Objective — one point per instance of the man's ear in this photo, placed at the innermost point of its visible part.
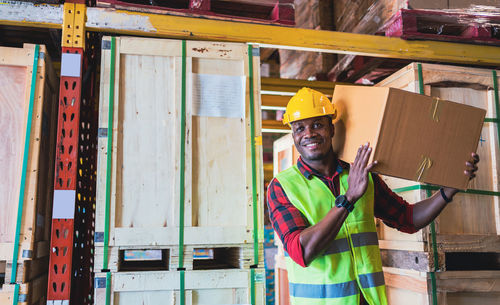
(333, 128)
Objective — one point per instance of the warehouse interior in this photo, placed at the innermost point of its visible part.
(139, 138)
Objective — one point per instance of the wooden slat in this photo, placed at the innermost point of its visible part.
(162, 287)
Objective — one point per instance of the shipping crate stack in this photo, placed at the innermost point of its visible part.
(28, 117)
(179, 196)
(463, 245)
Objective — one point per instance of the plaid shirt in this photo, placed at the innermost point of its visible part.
(288, 221)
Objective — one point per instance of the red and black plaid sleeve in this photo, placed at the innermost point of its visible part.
(391, 208)
(286, 220)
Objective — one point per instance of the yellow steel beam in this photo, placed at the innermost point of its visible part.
(274, 100)
(143, 24)
(136, 23)
(276, 125)
(293, 85)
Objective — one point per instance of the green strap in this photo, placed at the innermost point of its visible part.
(435, 188)
(182, 287)
(182, 166)
(491, 120)
(254, 174)
(109, 152)
(108, 288)
(497, 106)
(252, 286)
(24, 167)
(15, 299)
(432, 226)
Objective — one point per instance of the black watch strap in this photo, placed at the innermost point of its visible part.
(448, 200)
(341, 201)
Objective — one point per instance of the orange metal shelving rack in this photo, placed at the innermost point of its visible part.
(71, 256)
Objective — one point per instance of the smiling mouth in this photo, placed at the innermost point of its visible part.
(311, 145)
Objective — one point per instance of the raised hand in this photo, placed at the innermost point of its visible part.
(358, 174)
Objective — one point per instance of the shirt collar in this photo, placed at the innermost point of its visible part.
(308, 171)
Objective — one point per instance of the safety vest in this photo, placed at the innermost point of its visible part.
(351, 263)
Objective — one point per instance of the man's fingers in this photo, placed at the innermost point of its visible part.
(371, 165)
(471, 166)
(356, 160)
(469, 174)
(475, 157)
(366, 156)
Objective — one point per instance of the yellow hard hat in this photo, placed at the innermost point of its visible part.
(308, 103)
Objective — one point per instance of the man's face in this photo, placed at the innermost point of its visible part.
(313, 137)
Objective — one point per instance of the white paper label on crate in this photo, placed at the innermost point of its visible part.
(70, 64)
(64, 204)
(219, 95)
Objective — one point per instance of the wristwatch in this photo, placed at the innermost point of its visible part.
(342, 201)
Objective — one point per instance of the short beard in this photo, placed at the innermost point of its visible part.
(320, 156)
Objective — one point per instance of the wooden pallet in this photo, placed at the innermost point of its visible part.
(453, 287)
(471, 223)
(199, 257)
(162, 287)
(144, 206)
(279, 12)
(31, 293)
(445, 26)
(15, 71)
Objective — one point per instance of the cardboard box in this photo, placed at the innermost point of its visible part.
(413, 136)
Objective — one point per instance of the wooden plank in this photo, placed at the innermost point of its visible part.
(453, 287)
(419, 261)
(219, 287)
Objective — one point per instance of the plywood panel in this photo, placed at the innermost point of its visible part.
(147, 141)
(218, 157)
(12, 124)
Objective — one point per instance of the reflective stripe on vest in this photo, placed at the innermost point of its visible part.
(351, 263)
(336, 290)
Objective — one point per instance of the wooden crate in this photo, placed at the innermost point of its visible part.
(198, 257)
(145, 170)
(163, 287)
(452, 287)
(471, 223)
(16, 66)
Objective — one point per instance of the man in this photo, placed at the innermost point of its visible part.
(323, 210)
